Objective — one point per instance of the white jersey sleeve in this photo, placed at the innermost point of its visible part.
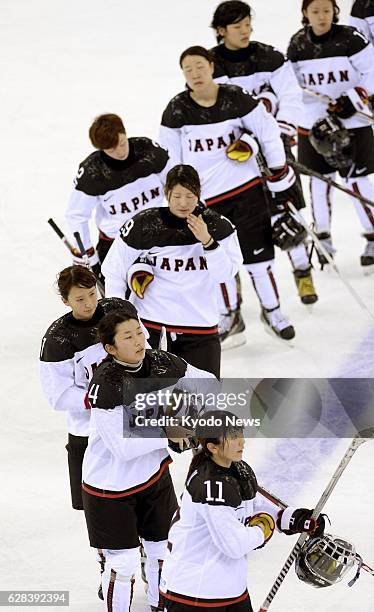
(171, 140)
(78, 214)
(110, 425)
(363, 62)
(230, 536)
(224, 261)
(57, 380)
(286, 87)
(118, 260)
(267, 132)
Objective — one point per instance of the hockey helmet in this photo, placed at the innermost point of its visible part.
(333, 141)
(324, 560)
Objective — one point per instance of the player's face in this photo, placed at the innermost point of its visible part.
(236, 35)
(129, 342)
(121, 151)
(198, 72)
(82, 301)
(230, 449)
(182, 201)
(320, 14)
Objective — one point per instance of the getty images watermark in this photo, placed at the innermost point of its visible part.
(186, 409)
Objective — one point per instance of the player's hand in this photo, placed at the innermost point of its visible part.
(242, 149)
(199, 228)
(291, 521)
(281, 179)
(93, 258)
(287, 232)
(353, 100)
(265, 522)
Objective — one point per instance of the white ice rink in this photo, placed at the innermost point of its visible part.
(63, 63)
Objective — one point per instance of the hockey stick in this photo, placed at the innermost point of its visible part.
(266, 172)
(73, 250)
(329, 100)
(305, 170)
(360, 438)
(282, 505)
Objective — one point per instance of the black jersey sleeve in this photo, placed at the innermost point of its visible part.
(149, 151)
(362, 9)
(106, 389)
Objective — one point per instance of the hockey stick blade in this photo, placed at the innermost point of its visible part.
(357, 441)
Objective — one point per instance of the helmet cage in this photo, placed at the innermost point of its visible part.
(324, 561)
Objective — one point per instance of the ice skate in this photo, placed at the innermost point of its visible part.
(325, 240)
(231, 330)
(275, 321)
(305, 286)
(367, 257)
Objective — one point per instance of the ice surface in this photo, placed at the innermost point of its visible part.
(62, 63)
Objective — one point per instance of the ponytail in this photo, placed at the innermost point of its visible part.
(203, 454)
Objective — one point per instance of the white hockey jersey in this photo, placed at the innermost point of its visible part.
(68, 357)
(116, 189)
(331, 64)
(362, 18)
(199, 136)
(257, 68)
(209, 538)
(124, 456)
(182, 295)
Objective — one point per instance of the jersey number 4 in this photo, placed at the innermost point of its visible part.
(92, 395)
(209, 496)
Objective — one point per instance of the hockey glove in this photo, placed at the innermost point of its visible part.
(291, 521)
(243, 148)
(93, 258)
(281, 179)
(287, 232)
(139, 276)
(355, 99)
(266, 522)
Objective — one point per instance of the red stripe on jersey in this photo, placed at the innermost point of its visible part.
(103, 236)
(204, 603)
(303, 131)
(233, 192)
(136, 489)
(186, 330)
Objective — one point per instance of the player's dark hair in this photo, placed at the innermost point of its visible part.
(106, 330)
(105, 130)
(225, 425)
(74, 276)
(196, 50)
(184, 175)
(305, 4)
(229, 12)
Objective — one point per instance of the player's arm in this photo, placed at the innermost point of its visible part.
(216, 501)
(110, 425)
(266, 130)
(57, 380)
(119, 259)
(225, 259)
(79, 212)
(170, 136)
(289, 95)
(362, 59)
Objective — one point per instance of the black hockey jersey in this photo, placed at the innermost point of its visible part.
(124, 454)
(117, 189)
(199, 136)
(258, 67)
(183, 270)
(69, 354)
(331, 64)
(362, 18)
(209, 538)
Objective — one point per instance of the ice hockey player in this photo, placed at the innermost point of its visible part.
(69, 355)
(208, 126)
(185, 251)
(265, 73)
(121, 178)
(127, 488)
(223, 518)
(338, 62)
